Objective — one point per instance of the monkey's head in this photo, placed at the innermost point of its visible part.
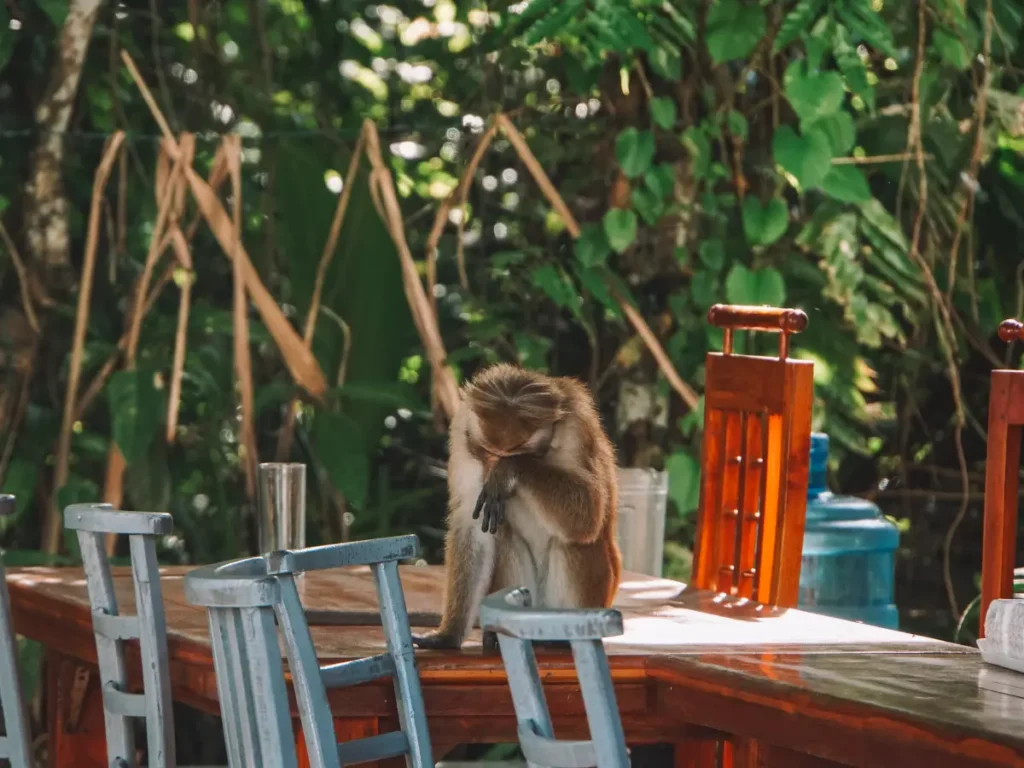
(513, 411)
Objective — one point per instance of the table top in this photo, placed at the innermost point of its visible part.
(864, 693)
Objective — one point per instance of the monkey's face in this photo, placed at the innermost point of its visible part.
(508, 432)
(513, 411)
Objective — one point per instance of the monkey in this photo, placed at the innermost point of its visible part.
(533, 499)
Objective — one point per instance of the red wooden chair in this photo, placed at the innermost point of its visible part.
(755, 462)
(1002, 476)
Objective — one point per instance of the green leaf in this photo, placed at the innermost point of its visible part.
(556, 284)
(647, 204)
(865, 22)
(620, 227)
(738, 126)
(340, 446)
(592, 247)
(138, 410)
(733, 29)
(847, 184)
(712, 253)
(763, 225)
(635, 151)
(758, 287)
(797, 21)
(696, 143)
(594, 282)
(660, 180)
(951, 49)
(704, 289)
(57, 10)
(663, 110)
(388, 393)
(683, 481)
(839, 129)
(807, 158)
(855, 72)
(813, 95)
(666, 63)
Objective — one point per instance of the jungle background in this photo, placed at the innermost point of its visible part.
(860, 159)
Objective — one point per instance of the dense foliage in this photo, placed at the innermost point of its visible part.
(858, 159)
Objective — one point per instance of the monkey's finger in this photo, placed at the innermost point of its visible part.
(485, 523)
(497, 513)
(479, 505)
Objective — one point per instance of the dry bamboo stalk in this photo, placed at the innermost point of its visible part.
(300, 361)
(643, 330)
(287, 433)
(52, 528)
(184, 257)
(122, 216)
(463, 190)
(243, 361)
(420, 306)
(19, 268)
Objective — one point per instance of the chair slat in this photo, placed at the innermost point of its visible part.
(359, 671)
(123, 704)
(543, 750)
(372, 748)
(115, 627)
(15, 746)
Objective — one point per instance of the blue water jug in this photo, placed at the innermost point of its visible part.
(849, 554)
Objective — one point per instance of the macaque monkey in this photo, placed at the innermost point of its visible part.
(532, 499)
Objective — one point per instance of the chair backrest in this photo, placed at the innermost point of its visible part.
(243, 599)
(15, 745)
(93, 522)
(509, 614)
(755, 462)
(1002, 478)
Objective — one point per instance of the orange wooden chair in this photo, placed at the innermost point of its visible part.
(1002, 478)
(755, 462)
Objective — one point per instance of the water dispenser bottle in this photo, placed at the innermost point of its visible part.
(849, 554)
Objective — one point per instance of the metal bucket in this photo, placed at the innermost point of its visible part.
(643, 498)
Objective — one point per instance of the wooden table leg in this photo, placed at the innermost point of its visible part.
(696, 753)
(74, 714)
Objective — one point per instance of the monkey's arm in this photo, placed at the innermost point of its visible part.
(569, 500)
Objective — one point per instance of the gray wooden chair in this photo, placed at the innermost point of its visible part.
(509, 614)
(93, 522)
(245, 597)
(15, 746)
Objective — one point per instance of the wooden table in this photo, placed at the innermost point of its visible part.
(799, 689)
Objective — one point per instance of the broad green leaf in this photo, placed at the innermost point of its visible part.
(697, 145)
(635, 151)
(808, 158)
(813, 95)
(734, 28)
(138, 410)
(620, 227)
(712, 253)
(592, 247)
(704, 289)
(663, 110)
(556, 285)
(594, 282)
(865, 23)
(532, 350)
(856, 74)
(763, 225)
(738, 126)
(341, 447)
(847, 184)
(660, 180)
(683, 481)
(647, 204)
(839, 129)
(755, 287)
(666, 63)
(388, 393)
(797, 22)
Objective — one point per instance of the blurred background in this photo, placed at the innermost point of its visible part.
(859, 159)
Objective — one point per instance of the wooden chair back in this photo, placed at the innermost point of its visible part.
(755, 462)
(1002, 478)
(94, 522)
(509, 614)
(15, 745)
(246, 598)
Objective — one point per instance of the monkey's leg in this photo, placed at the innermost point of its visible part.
(469, 556)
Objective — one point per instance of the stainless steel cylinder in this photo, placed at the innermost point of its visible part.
(281, 506)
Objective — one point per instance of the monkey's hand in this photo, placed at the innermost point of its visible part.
(498, 487)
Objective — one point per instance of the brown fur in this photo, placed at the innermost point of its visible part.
(536, 441)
